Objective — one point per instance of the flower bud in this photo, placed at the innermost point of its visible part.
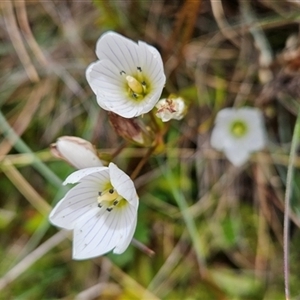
(76, 151)
(130, 129)
(170, 108)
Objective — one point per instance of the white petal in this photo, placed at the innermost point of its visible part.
(256, 138)
(250, 114)
(131, 109)
(100, 233)
(152, 65)
(134, 109)
(122, 105)
(151, 99)
(89, 78)
(165, 115)
(225, 115)
(111, 91)
(161, 103)
(218, 137)
(126, 239)
(154, 52)
(78, 175)
(77, 202)
(120, 50)
(237, 156)
(123, 184)
(180, 108)
(101, 103)
(105, 72)
(253, 141)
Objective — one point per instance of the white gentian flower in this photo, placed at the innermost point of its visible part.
(238, 132)
(128, 78)
(76, 151)
(101, 210)
(170, 108)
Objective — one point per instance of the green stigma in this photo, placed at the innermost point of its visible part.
(238, 128)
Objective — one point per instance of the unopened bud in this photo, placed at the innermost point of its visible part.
(130, 129)
(76, 151)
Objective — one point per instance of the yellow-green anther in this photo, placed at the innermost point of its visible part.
(134, 85)
(108, 195)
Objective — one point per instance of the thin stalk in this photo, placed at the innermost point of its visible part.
(154, 121)
(142, 162)
(139, 245)
(288, 193)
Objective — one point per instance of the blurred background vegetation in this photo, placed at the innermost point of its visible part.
(216, 230)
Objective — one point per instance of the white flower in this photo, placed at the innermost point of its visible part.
(238, 132)
(170, 108)
(101, 209)
(76, 151)
(128, 78)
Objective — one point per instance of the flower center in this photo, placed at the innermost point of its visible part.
(238, 128)
(136, 85)
(110, 198)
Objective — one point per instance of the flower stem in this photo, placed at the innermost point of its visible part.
(155, 127)
(158, 140)
(288, 192)
(142, 162)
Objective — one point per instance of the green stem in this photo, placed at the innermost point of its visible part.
(287, 198)
(155, 127)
